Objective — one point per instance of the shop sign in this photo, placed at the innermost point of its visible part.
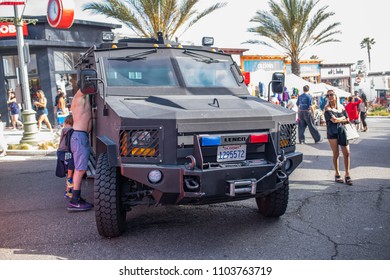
(8, 29)
(307, 70)
(267, 65)
(335, 72)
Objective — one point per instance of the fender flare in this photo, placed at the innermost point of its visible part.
(110, 148)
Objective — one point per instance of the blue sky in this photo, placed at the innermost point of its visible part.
(359, 19)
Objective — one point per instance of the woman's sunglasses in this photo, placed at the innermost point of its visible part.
(330, 94)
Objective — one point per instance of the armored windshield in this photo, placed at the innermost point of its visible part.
(152, 68)
(139, 72)
(206, 72)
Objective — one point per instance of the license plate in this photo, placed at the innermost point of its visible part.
(231, 153)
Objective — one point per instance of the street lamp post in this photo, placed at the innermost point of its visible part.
(28, 114)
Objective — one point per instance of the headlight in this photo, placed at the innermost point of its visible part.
(141, 138)
(155, 176)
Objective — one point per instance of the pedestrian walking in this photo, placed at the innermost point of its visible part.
(352, 109)
(55, 106)
(61, 105)
(305, 116)
(335, 115)
(42, 112)
(14, 109)
(292, 105)
(363, 109)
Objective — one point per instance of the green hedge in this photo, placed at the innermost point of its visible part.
(377, 110)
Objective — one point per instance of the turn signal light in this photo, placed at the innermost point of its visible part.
(145, 152)
(284, 143)
(124, 150)
(258, 138)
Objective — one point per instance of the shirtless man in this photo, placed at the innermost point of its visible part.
(79, 144)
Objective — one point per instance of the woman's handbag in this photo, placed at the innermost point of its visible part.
(351, 132)
(346, 133)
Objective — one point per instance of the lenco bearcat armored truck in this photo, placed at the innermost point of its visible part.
(175, 125)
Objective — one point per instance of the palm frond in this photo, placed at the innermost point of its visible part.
(294, 25)
(147, 17)
(117, 10)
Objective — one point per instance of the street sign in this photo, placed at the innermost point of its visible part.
(8, 29)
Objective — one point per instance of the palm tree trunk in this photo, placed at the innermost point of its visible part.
(369, 58)
(295, 67)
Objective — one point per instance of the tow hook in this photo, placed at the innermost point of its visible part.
(281, 175)
(279, 163)
(191, 184)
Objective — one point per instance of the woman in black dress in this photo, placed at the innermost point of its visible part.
(335, 115)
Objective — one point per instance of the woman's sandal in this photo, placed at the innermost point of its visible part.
(348, 180)
(338, 179)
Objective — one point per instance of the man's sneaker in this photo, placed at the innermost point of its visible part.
(69, 183)
(81, 205)
(68, 194)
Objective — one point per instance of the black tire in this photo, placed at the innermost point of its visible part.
(275, 203)
(109, 212)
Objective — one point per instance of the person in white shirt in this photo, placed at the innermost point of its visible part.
(292, 105)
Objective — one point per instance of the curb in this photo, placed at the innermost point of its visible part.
(31, 153)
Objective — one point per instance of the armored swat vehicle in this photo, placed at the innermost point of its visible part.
(176, 125)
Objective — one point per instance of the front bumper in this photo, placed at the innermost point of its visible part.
(180, 185)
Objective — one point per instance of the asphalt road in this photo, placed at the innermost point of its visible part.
(324, 220)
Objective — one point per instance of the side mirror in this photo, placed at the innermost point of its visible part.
(88, 81)
(277, 82)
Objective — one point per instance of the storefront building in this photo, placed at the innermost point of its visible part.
(53, 55)
(337, 75)
(312, 70)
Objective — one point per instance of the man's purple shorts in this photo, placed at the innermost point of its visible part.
(79, 144)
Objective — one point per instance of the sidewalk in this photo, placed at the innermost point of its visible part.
(14, 136)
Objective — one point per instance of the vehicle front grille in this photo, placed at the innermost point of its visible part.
(288, 135)
(140, 144)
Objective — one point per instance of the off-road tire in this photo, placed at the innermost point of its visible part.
(109, 212)
(275, 203)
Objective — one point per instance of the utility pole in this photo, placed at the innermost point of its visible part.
(28, 115)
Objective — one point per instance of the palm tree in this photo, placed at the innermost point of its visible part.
(367, 43)
(147, 17)
(291, 26)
